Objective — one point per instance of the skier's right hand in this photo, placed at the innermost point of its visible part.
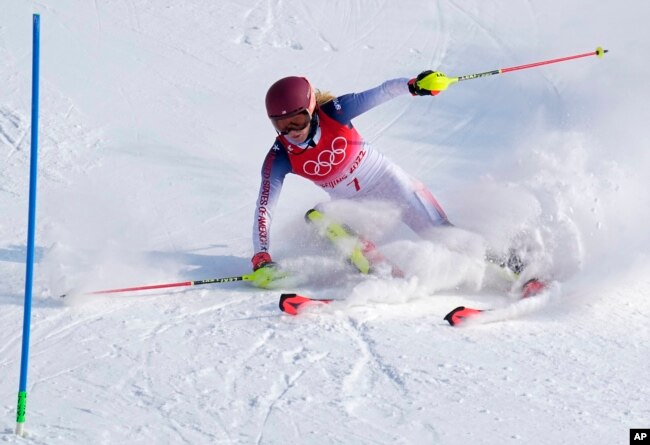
(265, 271)
(261, 259)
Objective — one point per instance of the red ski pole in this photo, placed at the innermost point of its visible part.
(598, 52)
(438, 81)
(168, 285)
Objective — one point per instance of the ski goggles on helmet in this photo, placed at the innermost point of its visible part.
(297, 122)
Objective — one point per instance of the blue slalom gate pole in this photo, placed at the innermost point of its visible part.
(31, 228)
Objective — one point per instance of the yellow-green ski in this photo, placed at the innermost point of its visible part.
(347, 243)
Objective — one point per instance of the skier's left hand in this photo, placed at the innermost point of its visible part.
(428, 83)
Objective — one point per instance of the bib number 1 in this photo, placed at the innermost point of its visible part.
(355, 181)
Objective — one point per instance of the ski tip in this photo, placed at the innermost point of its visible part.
(311, 213)
(458, 315)
(292, 304)
(532, 287)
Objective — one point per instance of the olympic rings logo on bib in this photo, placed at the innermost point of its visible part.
(327, 159)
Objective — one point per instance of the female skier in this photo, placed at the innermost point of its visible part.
(316, 140)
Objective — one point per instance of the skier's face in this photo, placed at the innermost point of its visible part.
(298, 136)
(295, 128)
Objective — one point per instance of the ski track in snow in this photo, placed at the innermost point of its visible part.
(370, 358)
(12, 131)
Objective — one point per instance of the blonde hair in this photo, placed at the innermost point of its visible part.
(322, 97)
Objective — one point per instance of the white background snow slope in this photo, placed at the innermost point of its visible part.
(152, 135)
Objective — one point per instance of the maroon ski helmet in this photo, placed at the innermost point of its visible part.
(290, 96)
